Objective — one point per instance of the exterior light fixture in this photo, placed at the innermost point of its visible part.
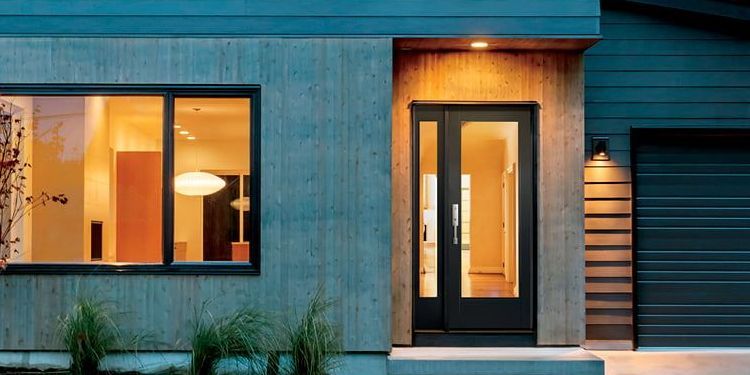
(198, 184)
(191, 138)
(479, 44)
(600, 148)
(177, 126)
(184, 132)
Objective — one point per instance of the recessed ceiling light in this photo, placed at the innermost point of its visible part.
(177, 126)
(191, 138)
(184, 132)
(479, 44)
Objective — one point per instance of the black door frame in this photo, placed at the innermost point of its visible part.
(438, 111)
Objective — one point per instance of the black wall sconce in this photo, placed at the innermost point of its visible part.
(600, 148)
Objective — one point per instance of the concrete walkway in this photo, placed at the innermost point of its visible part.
(676, 362)
(493, 361)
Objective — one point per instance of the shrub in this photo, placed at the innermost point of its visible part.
(315, 343)
(245, 335)
(88, 333)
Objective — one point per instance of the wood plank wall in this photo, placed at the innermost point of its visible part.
(650, 70)
(554, 79)
(325, 219)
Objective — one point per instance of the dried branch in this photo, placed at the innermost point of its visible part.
(15, 203)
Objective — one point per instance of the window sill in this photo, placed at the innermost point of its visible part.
(195, 268)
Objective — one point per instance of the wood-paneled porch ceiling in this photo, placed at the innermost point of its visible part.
(494, 44)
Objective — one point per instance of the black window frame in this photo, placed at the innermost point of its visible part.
(168, 92)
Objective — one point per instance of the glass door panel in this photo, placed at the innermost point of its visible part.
(428, 204)
(489, 155)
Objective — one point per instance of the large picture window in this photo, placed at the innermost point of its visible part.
(154, 178)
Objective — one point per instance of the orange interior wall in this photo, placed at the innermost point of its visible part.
(139, 207)
(483, 159)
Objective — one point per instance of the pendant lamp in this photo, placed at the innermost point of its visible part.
(198, 184)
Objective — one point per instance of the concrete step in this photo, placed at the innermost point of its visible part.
(493, 361)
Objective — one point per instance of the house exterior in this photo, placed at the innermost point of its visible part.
(490, 173)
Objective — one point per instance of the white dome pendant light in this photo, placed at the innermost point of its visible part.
(198, 184)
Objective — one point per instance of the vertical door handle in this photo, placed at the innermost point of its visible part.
(455, 223)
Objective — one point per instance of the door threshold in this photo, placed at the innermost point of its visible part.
(474, 339)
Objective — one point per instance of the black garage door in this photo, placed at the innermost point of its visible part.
(692, 205)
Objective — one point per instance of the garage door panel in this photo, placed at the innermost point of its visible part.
(691, 168)
(701, 203)
(716, 156)
(699, 311)
(690, 212)
(693, 185)
(696, 266)
(680, 293)
(697, 148)
(691, 239)
(693, 320)
(694, 222)
(708, 276)
(689, 329)
(683, 340)
(693, 255)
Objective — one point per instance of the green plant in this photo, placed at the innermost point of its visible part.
(88, 333)
(245, 335)
(315, 343)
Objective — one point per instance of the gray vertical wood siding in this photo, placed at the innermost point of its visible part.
(648, 71)
(326, 138)
(507, 18)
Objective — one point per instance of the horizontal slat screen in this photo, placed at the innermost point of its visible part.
(608, 222)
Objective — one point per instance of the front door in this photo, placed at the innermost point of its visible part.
(474, 216)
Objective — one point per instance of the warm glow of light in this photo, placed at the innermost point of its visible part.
(191, 138)
(198, 184)
(184, 132)
(479, 44)
(241, 204)
(177, 126)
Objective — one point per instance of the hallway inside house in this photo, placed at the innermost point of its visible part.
(472, 285)
(486, 215)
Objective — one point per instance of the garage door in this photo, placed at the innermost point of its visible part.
(692, 246)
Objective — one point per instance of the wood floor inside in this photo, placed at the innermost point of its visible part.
(473, 285)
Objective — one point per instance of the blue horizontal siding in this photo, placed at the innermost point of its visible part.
(607, 126)
(537, 18)
(652, 70)
(668, 110)
(661, 47)
(659, 31)
(514, 8)
(294, 26)
(667, 63)
(665, 95)
(677, 79)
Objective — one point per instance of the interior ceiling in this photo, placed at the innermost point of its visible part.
(216, 119)
(494, 129)
(141, 112)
